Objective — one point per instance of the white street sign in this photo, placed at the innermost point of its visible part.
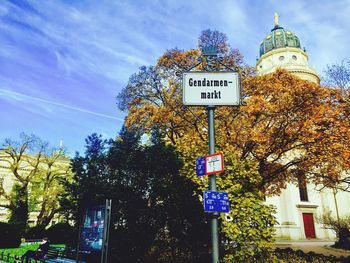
(214, 163)
(211, 88)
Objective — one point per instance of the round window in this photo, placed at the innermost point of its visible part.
(281, 58)
(294, 57)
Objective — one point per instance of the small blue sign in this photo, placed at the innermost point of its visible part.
(200, 166)
(216, 202)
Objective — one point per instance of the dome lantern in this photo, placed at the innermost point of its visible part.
(281, 49)
(279, 38)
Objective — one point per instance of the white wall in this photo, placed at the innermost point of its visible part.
(290, 209)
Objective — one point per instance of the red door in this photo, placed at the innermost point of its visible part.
(309, 225)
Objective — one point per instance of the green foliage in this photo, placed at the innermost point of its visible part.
(36, 232)
(155, 204)
(249, 230)
(10, 235)
(250, 235)
(90, 177)
(290, 255)
(156, 213)
(18, 251)
(19, 212)
(62, 233)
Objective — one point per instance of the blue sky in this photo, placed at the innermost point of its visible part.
(62, 63)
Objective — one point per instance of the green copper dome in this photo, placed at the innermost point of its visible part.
(279, 38)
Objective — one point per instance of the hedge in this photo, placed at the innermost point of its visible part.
(62, 233)
(10, 235)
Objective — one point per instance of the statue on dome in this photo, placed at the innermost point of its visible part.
(276, 19)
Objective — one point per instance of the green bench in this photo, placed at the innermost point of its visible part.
(59, 255)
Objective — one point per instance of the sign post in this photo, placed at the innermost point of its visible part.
(212, 187)
(212, 88)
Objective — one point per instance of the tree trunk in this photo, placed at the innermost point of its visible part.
(46, 218)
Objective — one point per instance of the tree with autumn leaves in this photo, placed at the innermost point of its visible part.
(288, 129)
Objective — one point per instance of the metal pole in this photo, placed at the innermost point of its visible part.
(212, 187)
(106, 223)
(78, 245)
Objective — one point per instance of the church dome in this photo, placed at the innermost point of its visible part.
(281, 49)
(279, 38)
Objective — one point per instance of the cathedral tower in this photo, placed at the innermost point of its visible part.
(281, 49)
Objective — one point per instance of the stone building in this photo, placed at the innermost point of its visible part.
(298, 206)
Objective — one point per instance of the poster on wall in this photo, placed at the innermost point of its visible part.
(92, 233)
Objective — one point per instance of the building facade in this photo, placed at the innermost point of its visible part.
(7, 181)
(298, 207)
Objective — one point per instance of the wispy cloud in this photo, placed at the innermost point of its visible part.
(83, 52)
(20, 97)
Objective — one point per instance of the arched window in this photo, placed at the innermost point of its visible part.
(303, 188)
